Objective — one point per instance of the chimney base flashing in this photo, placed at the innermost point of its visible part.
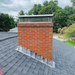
(37, 57)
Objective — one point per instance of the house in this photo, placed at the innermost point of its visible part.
(13, 62)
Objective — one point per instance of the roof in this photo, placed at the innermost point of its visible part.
(7, 35)
(14, 29)
(35, 16)
(13, 62)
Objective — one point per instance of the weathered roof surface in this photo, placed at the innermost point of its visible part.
(5, 35)
(13, 62)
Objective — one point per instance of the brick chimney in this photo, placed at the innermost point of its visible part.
(35, 33)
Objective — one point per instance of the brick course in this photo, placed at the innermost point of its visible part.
(37, 37)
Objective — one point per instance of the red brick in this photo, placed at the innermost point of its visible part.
(37, 37)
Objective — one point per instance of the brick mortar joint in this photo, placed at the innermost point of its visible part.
(35, 24)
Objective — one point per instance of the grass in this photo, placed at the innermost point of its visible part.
(60, 38)
(72, 43)
(55, 33)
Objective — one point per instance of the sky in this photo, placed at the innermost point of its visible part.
(12, 7)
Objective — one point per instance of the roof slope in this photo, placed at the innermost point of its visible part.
(13, 62)
(5, 35)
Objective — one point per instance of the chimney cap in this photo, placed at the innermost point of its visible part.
(35, 16)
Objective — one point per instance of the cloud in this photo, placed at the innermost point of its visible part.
(63, 3)
(6, 1)
(12, 7)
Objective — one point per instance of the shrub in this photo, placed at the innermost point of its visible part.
(63, 30)
(70, 32)
(6, 22)
(59, 30)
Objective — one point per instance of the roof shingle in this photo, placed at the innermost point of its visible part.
(13, 62)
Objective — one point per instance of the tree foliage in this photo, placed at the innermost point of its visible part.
(21, 12)
(6, 22)
(45, 3)
(30, 12)
(73, 3)
(63, 30)
(70, 32)
(16, 21)
(49, 7)
(62, 17)
(59, 30)
(35, 10)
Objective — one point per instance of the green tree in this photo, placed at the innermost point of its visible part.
(59, 30)
(45, 3)
(73, 3)
(12, 22)
(63, 30)
(68, 10)
(58, 20)
(71, 19)
(30, 12)
(51, 2)
(50, 8)
(6, 22)
(63, 17)
(36, 8)
(21, 13)
(16, 21)
(56, 2)
(39, 7)
(70, 32)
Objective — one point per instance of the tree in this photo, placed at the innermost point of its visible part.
(70, 32)
(30, 12)
(63, 30)
(51, 2)
(12, 22)
(56, 2)
(59, 20)
(59, 30)
(71, 19)
(45, 3)
(21, 12)
(68, 10)
(16, 21)
(50, 8)
(62, 17)
(36, 8)
(39, 7)
(6, 22)
(73, 3)
(46, 10)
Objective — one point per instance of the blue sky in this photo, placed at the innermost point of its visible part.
(12, 7)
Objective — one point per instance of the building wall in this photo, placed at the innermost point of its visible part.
(37, 37)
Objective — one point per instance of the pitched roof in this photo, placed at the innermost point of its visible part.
(13, 62)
